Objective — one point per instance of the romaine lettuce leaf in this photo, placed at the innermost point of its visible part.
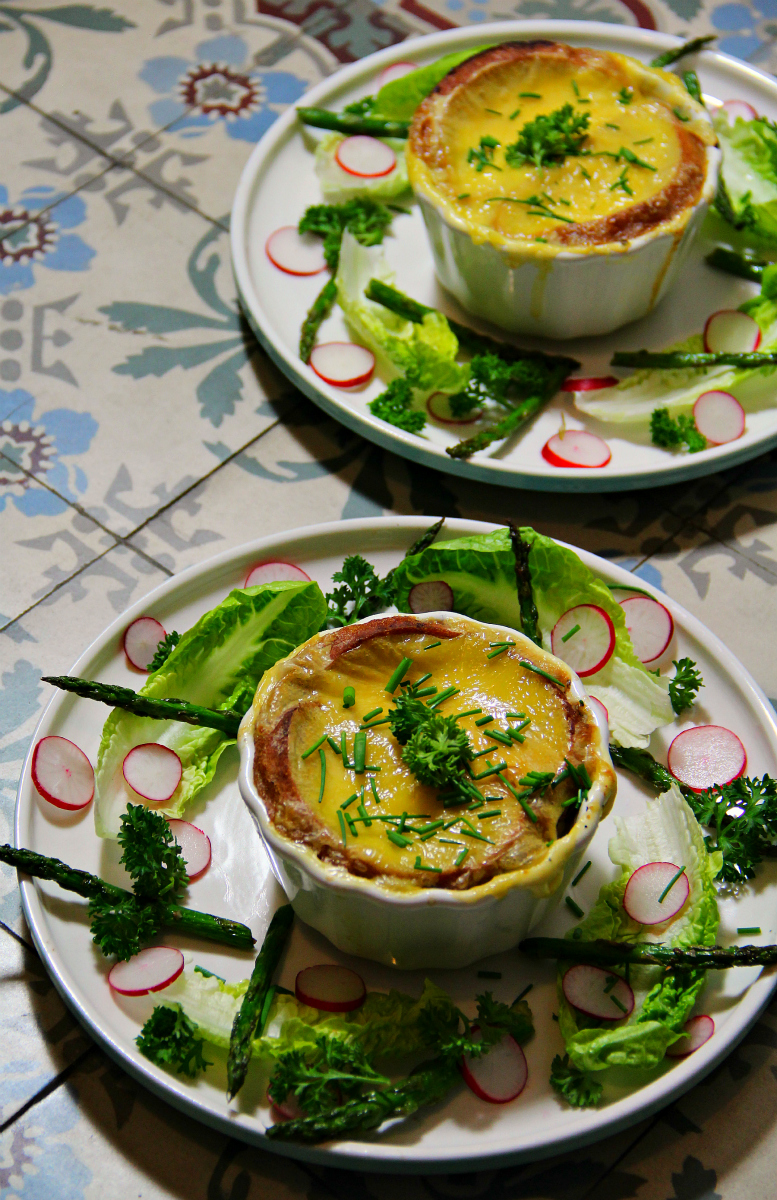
(217, 664)
(749, 172)
(398, 100)
(480, 571)
(338, 185)
(666, 832)
(424, 352)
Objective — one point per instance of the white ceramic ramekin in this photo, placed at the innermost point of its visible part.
(427, 927)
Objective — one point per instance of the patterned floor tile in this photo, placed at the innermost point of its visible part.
(38, 1036)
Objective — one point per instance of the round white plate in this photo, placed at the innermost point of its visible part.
(278, 183)
(464, 1131)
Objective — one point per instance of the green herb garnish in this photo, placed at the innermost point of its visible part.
(622, 183)
(432, 645)
(670, 885)
(685, 685)
(169, 1039)
(575, 908)
(580, 874)
(482, 156)
(671, 433)
(163, 651)
(398, 675)
(322, 757)
(360, 594)
(549, 138)
(314, 747)
(395, 406)
(625, 96)
(575, 629)
(349, 697)
(749, 931)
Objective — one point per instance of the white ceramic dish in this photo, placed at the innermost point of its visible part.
(462, 1134)
(427, 927)
(279, 182)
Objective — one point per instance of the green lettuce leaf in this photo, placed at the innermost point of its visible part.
(666, 832)
(480, 571)
(749, 172)
(398, 100)
(338, 186)
(424, 352)
(217, 664)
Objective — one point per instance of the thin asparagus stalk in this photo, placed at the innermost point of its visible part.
(250, 1012)
(397, 301)
(426, 539)
(185, 920)
(508, 424)
(317, 314)
(345, 122)
(226, 721)
(642, 763)
(672, 56)
(425, 1086)
(529, 614)
(744, 266)
(692, 85)
(609, 954)
(674, 359)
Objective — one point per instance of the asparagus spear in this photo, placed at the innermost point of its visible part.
(316, 315)
(745, 266)
(508, 424)
(529, 614)
(425, 1086)
(692, 85)
(251, 1010)
(225, 720)
(672, 56)
(185, 920)
(642, 763)
(674, 359)
(600, 953)
(349, 123)
(426, 539)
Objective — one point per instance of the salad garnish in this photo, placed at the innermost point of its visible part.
(671, 433)
(247, 1022)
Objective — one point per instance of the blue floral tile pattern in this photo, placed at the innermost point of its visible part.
(33, 447)
(34, 232)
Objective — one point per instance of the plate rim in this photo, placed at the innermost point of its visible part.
(368, 1155)
(484, 470)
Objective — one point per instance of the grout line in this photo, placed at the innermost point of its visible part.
(632, 1145)
(22, 941)
(50, 1087)
(55, 589)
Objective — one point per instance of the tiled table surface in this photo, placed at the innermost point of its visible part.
(138, 417)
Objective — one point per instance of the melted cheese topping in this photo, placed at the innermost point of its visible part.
(496, 685)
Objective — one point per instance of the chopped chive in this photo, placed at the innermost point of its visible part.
(444, 695)
(489, 974)
(471, 712)
(525, 992)
(515, 716)
(498, 736)
(374, 724)
(580, 874)
(314, 747)
(473, 833)
(427, 691)
(372, 768)
(576, 909)
(333, 744)
(359, 751)
(584, 173)
(448, 842)
(680, 115)
(492, 812)
(523, 725)
(670, 885)
(516, 736)
(398, 674)
(493, 110)
(539, 239)
(431, 646)
(575, 629)
(539, 671)
(423, 679)
(480, 753)
(485, 720)
(349, 697)
(513, 115)
(344, 749)
(500, 649)
(530, 95)
(350, 800)
(419, 866)
(610, 125)
(403, 822)
(749, 930)
(521, 798)
(322, 756)
(618, 1004)
(463, 196)
(491, 771)
(362, 811)
(643, 141)
(610, 984)
(342, 825)
(575, 88)
(460, 857)
(374, 791)
(431, 827)
(351, 824)
(372, 713)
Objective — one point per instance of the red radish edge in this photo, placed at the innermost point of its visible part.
(590, 384)
(275, 571)
(591, 647)
(62, 774)
(397, 70)
(583, 987)
(601, 710)
(719, 417)
(152, 969)
(439, 400)
(343, 364)
(195, 847)
(729, 330)
(697, 1031)
(330, 988)
(650, 626)
(141, 639)
(739, 108)
(153, 771)
(500, 1075)
(705, 756)
(577, 448)
(365, 151)
(289, 1110)
(642, 897)
(295, 253)
(434, 595)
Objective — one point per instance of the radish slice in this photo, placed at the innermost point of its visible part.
(195, 847)
(153, 771)
(731, 332)
(589, 646)
(153, 969)
(577, 448)
(365, 156)
(738, 108)
(275, 571)
(289, 1110)
(330, 988)
(602, 715)
(706, 755)
(395, 71)
(62, 773)
(500, 1075)
(620, 592)
(433, 596)
(698, 1030)
(343, 364)
(719, 417)
(294, 252)
(584, 989)
(440, 410)
(141, 639)
(650, 627)
(592, 384)
(642, 899)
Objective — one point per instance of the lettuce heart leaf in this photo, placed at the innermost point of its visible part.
(749, 172)
(398, 100)
(338, 185)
